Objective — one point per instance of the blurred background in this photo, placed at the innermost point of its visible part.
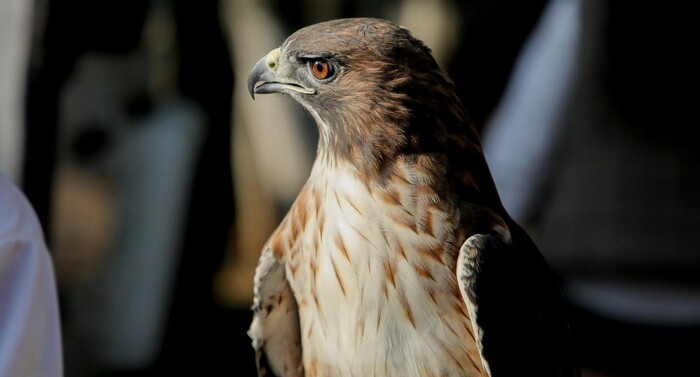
(157, 179)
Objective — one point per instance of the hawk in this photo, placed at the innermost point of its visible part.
(397, 257)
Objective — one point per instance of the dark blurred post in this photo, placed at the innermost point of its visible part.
(493, 33)
(200, 333)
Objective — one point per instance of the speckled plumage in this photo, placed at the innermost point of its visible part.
(376, 269)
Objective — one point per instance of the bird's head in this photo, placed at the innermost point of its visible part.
(371, 86)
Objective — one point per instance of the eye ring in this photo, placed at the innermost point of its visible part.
(321, 69)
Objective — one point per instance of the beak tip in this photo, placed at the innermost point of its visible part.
(251, 87)
(256, 75)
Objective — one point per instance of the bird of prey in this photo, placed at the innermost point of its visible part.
(397, 257)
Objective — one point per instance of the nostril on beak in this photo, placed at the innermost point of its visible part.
(271, 59)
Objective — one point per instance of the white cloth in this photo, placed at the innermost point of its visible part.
(30, 335)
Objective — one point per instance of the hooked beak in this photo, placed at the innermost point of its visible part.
(264, 78)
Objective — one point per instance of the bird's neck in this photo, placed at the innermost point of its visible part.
(429, 130)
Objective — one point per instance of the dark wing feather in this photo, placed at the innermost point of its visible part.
(519, 310)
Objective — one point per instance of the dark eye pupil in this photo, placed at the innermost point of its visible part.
(318, 66)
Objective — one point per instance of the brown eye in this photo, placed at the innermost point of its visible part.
(321, 69)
